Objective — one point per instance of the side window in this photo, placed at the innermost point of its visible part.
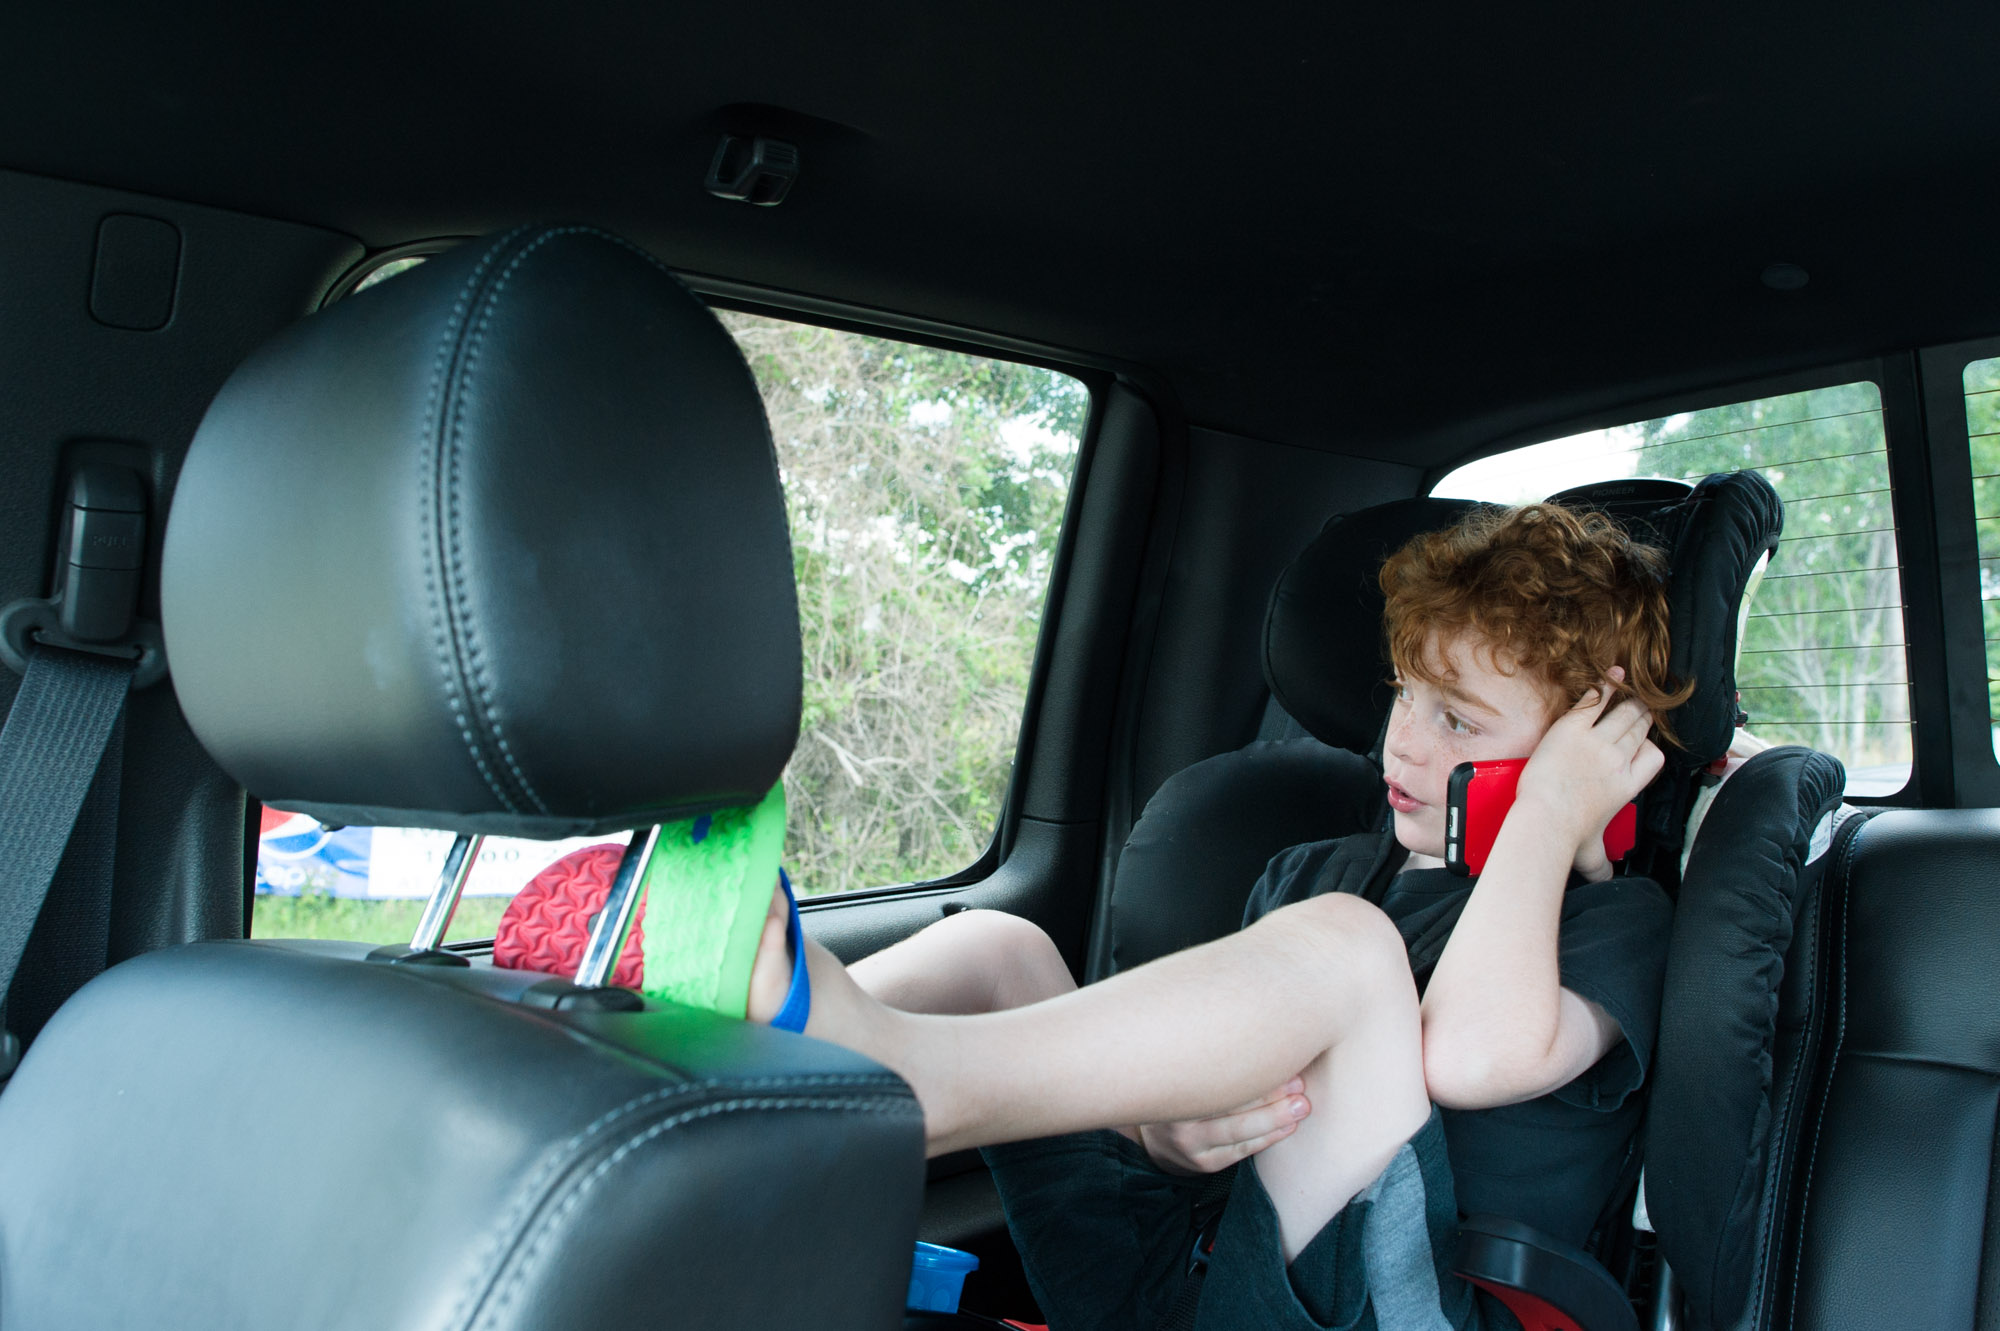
(1822, 655)
(1982, 419)
(926, 491)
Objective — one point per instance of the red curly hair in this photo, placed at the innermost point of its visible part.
(1560, 594)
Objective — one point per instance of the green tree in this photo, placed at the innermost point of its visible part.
(1823, 660)
(1982, 417)
(925, 490)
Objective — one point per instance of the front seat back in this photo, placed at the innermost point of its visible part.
(496, 546)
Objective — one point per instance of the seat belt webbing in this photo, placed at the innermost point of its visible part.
(71, 942)
(50, 749)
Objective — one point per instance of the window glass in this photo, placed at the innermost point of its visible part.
(926, 490)
(1982, 419)
(1823, 661)
(388, 270)
(371, 882)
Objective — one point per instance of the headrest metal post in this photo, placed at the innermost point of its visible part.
(443, 904)
(621, 905)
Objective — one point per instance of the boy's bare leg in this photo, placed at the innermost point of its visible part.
(1368, 1098)
(1310, 986)
(973, 961)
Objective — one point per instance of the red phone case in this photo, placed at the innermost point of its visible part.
(1477, 800)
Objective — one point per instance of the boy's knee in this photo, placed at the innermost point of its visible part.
(1023, 962)
(1341, 927)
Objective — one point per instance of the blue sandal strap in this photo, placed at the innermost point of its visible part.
(798, 999)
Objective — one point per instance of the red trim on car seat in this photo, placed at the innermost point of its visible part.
(1025, 1326)
(1535, 1314)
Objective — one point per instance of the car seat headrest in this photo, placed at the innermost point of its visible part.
(495, 546)
(1323, 651)
(1719, 535)
(1324, 657)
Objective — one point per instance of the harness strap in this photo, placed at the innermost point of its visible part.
(1206, 1218)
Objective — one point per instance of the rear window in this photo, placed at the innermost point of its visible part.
(926, 490)
(1982, 418)
(1823, 658)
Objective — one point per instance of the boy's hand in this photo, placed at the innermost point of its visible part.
(1592, 762)
(1204, 1145)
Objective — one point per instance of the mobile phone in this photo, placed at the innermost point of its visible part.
(1477, 800)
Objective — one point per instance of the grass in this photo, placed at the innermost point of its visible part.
(322, 915)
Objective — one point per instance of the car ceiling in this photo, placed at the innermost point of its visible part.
(1393, 231)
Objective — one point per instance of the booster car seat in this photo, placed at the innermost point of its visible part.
(1741, 1021)
(1219, 821)
(543, 587)
(1205, 835)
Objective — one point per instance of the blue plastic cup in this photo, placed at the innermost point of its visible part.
(937, 1276)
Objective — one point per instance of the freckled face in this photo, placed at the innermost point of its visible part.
(1482, 712)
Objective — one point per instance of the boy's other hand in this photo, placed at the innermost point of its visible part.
(1593, 761)
(1204, 1145)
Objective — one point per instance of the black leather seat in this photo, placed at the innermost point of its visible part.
(495, 546)
(1892, 1214)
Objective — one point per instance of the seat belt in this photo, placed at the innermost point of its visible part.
(1205, 1217)
(51, 748)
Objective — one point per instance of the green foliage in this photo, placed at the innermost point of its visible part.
(323, 915)
(1823, 660)
(925, 490)
(1982, 419)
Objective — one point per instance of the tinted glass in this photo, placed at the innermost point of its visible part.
(1982, 418)
(1823, 658)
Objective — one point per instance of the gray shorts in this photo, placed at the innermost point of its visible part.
(1106, 1237)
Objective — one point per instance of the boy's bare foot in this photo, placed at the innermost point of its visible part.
(842, 1012)
(771, 972)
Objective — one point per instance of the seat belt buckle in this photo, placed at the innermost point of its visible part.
(1202, 1250)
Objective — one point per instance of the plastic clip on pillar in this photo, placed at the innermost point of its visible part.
(100, 567)
(79, 652)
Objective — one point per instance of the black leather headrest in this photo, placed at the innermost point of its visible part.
(1715, 533)
(496, 546)
(1716, 537)
(1324, 656)
(1323, 651)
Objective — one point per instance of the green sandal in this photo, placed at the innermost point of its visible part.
(708, 889)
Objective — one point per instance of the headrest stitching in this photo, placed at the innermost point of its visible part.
(543, 1230)
(433, 555)
(462, 605)
(462, 614)
(763, 420)
(530, 1192)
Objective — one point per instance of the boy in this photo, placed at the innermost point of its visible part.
(1530, 631)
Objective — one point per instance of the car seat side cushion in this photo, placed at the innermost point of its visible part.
(1714, 1140)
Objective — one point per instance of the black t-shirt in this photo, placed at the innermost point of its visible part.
(1551, 1162)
